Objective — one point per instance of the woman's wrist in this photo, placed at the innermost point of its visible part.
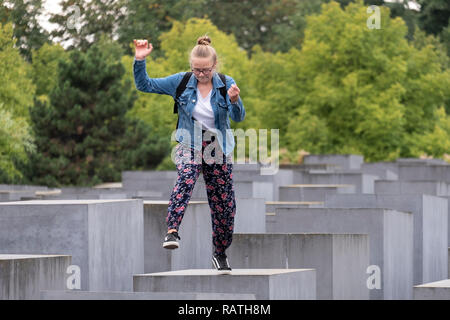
(139, 58)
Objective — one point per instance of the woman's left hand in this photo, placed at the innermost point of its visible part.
(233, 93)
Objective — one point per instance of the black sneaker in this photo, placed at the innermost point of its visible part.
(170, 241)
(221, 263)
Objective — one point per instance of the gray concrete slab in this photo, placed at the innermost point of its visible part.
(390, 233)
(384, 170)
(312, 166)
(415, 161)
(242, 189)
(346, 161)
(104, 237)
(265, 284)
(16, 195)
(272, 205)
(340, 260)
(424, 172)
(22, 277)
(13, 187)
(430, 228)
(312, 192)
(112, 196)
(364, 183)
(436, 188)
(90, 295)
(84, 193)
(262, 183)
(438, 290)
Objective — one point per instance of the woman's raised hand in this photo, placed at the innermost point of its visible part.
(233, 93)
(142, 49)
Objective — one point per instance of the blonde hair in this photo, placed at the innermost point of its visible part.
(203, 49)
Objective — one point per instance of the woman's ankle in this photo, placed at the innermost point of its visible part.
(172, 230)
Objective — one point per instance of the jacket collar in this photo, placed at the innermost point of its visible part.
(217, 82)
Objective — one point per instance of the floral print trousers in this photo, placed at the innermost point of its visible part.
(218, 178)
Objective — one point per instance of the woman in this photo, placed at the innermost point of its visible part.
(203, 104)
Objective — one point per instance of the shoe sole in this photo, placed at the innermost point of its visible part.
(223, 271)
(170, 245)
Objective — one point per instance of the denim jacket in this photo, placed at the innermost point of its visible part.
(187, 127)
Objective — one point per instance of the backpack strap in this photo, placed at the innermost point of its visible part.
(180, 89)
(223, 90)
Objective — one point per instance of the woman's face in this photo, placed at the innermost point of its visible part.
(203, 69)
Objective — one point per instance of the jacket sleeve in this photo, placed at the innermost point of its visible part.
(144, 83)
(237, 109)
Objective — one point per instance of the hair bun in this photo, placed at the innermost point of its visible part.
(204, 40)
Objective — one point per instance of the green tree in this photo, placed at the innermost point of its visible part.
(83, 23)
(15, 142)
(434, 19)
(84, 135)
(23, 14)
(148, 19)
(360, 90)
(17, 89)
(16, 94)
(434, 15)
(436, 142)
(45, 68)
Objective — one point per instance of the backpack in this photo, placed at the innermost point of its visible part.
(182, 86)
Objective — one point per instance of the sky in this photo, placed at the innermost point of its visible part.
(50, 6)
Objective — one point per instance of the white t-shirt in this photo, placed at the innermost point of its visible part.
(203, 111)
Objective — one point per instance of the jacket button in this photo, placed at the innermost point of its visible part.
(193, 100)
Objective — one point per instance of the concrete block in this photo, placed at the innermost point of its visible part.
(346, 161)
(384, 170)
(265, 284)
(239, 166)
(363, 183)
(97, 192)
(113, 196)
(89, 295)
(415, 161)
(430, 228)
(250, 215)
(424, 172)
(438, 290)
(195, 231)
(16, 195)
(340, 260)
(23, 276)
(272, 205)
(161, 181)
(436, 188)
(243, 189)
(390, 233)
(15, 187)
(312, 166)
(104, 237)
(312, 192)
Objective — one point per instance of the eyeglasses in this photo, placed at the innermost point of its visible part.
(198, 71)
